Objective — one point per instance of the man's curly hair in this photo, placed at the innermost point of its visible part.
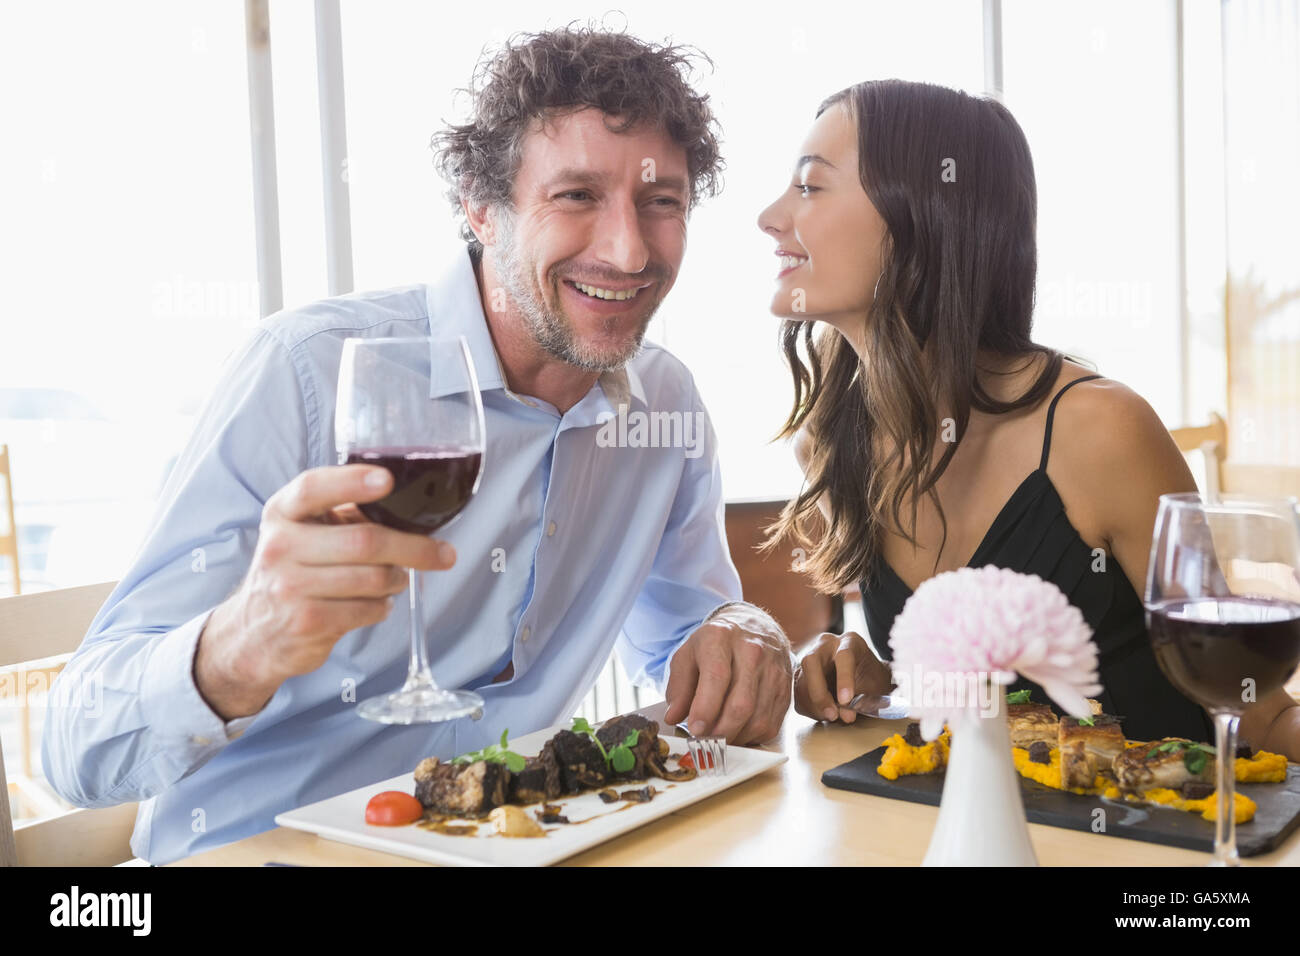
(541, 75)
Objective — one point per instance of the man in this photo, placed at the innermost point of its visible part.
(229, 658)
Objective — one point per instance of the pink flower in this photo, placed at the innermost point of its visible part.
(983, 627)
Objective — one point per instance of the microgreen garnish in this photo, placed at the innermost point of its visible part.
(621, 757)
(1194, 755)
(580, 726)
(1194, 760)
(1018, 697)
(1087, 721)
(495, 753)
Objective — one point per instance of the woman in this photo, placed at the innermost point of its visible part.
(932, 431)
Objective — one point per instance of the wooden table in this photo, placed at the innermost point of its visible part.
(784, 817)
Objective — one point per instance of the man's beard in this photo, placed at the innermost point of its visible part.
(552, 330)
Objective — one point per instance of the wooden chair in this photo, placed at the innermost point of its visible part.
(33, 629)
(9, 536)
(1230, 476)
(1212, 442)
(1274, 480)
(770, 581)
(766, 580)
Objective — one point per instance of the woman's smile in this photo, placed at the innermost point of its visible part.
(789, 262)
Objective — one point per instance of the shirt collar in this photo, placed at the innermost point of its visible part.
(456, 309)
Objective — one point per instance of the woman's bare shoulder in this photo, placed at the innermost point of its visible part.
(1105, 415)
(1111, 455)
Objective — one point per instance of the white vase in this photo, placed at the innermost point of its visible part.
(981, 816)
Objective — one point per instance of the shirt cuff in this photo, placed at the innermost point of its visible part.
(170, 699)
(237, 726)
(794, 658)
(720, 608)
(668, 663)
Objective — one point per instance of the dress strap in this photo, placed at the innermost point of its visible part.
(1051, 413)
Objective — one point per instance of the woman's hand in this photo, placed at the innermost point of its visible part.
(834, 670)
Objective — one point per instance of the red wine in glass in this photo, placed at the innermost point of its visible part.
(1223, 614)
(430, 485)
(1204, 646)
(412, 405)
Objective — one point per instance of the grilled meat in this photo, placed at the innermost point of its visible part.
(1103, 739)
(568, 763)
(645, 751)
(1030, 723)
(539, 781)
(462, 789)
(1087, 750)
(582, 765)
(651, 751)
(1144, 767)
(1078, 765)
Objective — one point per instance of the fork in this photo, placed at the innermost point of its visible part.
(709, 754)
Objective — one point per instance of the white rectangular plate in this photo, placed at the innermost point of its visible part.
(342, 818)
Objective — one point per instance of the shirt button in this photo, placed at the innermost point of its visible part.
(524, 636)
(550, 529)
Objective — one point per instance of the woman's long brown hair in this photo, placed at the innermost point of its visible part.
(952, 178)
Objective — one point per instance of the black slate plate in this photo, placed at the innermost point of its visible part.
(1277, 807)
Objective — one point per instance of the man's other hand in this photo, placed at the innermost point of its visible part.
(732, 677)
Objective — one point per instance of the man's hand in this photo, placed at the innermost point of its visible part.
(836, 669)
(319, 571)
(732, 677)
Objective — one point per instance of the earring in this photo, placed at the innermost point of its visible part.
(876, 290)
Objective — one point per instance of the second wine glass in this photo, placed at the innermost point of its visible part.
(1223, 609)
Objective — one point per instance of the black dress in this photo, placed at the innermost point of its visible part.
(1032, 535)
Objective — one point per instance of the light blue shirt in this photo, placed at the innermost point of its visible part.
(608, 537)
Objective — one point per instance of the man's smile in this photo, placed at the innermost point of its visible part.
(607, 292)
(601, 299)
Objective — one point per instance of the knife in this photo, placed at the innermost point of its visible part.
(883, 707)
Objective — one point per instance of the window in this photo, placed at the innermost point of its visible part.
(1094, 88)
(1261, 89)
(128, 252)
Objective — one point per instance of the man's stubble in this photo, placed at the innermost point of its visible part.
(551, 329)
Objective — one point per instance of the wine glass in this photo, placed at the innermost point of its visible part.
(412, 405)
(1223, 610)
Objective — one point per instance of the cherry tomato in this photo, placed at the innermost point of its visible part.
(393, 808)
(686, 762)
